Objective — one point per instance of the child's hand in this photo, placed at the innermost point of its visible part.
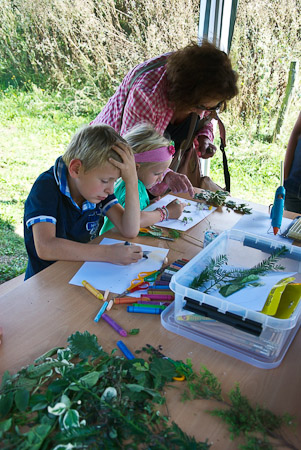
(125, 254)
(127, 166)
(175, 209)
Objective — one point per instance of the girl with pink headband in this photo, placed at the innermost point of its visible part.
(153, 155)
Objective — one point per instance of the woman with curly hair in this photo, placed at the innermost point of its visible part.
(174, 92)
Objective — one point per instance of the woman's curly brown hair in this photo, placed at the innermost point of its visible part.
(197, 73)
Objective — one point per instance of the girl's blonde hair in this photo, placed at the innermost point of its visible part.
(143, 138)
(92, 144)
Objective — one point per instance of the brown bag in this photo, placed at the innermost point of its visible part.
(187, 161)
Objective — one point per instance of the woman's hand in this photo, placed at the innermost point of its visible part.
(177, 183)
(175, 209)
(206, 148)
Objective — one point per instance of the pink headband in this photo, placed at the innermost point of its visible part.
(157, 155)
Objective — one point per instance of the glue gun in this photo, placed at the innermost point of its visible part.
(277, 209)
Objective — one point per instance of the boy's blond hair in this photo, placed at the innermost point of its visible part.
(92, 145)
(143, 137)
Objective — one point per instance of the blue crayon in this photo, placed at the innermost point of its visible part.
(127, 353)
(177, 265)
(160, 287)
(101, 311)
(140, 309)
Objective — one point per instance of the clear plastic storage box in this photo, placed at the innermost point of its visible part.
(251, 336)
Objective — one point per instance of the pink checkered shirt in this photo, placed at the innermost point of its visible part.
(146, 103)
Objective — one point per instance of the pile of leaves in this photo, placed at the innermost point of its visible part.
(82, 397)
(219, 198)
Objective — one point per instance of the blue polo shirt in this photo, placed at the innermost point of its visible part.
(50, 201)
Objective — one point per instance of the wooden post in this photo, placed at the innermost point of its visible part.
(294, 66)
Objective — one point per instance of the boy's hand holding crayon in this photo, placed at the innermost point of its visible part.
(124, 254)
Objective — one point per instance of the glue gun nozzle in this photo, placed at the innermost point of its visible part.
(275, 229)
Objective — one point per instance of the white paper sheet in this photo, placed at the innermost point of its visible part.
(117, 278)
(196, 214)
(260, 224)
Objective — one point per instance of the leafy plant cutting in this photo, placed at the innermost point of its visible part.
(215, 275)
(81, 397)
(219, 198)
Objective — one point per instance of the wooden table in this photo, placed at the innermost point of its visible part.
(42, 312)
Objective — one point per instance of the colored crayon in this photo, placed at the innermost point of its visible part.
(148, 305)
(101, 311)
(161, 297)
(128, 300)
(127, 353)
(160, 292)
(177, 265)
(163, 287)
(152, 302)
(114, 325)
(135, 309)
(166, 277)
(92, 289)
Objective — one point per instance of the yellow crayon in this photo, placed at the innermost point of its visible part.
(92, 289)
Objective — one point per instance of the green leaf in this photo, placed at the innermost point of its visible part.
(58, 409)
(64, 354)
(6, 378)
(39, 406)
(6, 402)
(90, 379)
(47, 355)
(58, 386)
(71, 419)
(163, 368)
(36, 436)
(134, 331)
(43, 369)
(66, 400)
(69, 446)
(26, 383)
(249, 278)
(113, 433)
(109, 393)
(74, 387)
(138, 388)
(230, 289)
(5, 426)
(84, 345)
(22, 399)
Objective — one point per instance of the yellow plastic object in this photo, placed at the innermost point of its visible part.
(273, 300)
(181, 378)
(289, 301)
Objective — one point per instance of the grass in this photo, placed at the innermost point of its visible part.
(37, 125)
(35, 129)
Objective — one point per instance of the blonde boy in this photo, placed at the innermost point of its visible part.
(66, 204)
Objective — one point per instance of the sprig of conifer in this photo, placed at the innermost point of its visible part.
(216, 274)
